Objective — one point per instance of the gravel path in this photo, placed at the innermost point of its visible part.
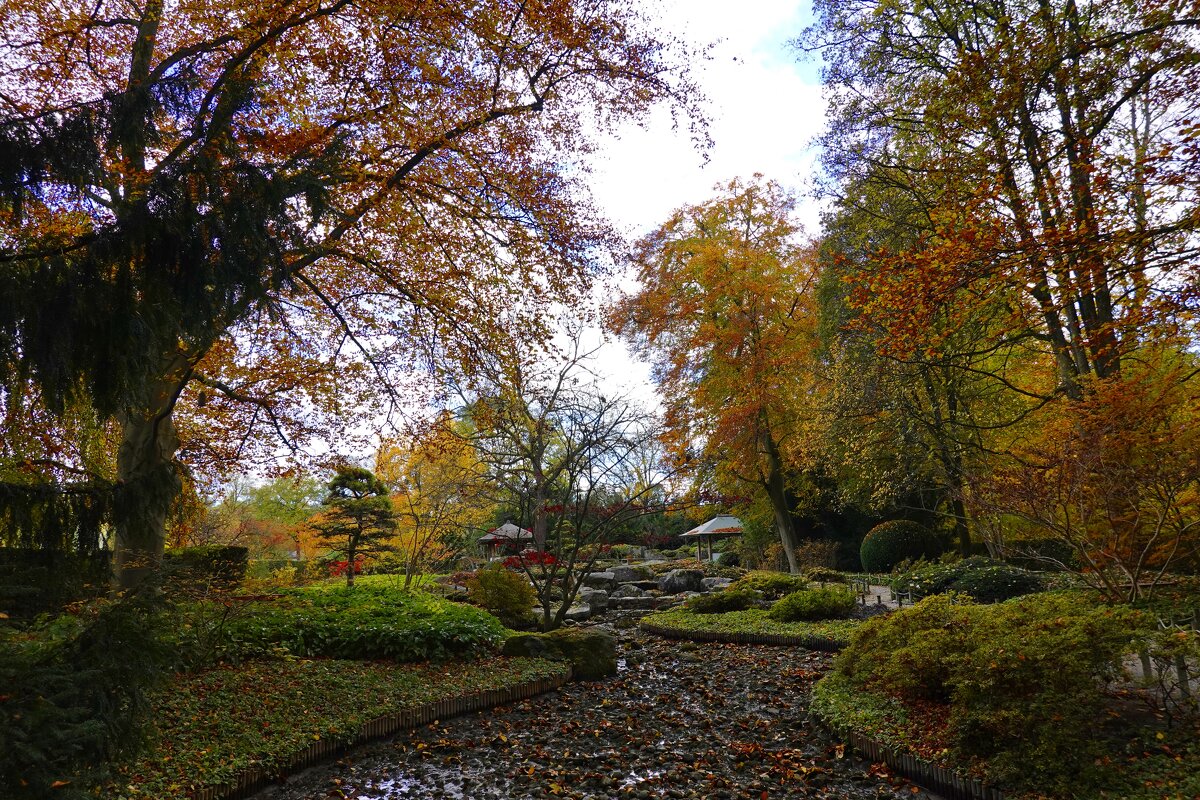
(681, 720)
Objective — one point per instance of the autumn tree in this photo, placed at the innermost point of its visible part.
(358, 518)
(567, 455)
(1028, 172)
(242, 220)
(909, 422)
(440, 491)
(725, 312)
(1113, 479)
(1048, 150)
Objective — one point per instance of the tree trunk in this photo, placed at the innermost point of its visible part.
(777, 492)
(149, 484)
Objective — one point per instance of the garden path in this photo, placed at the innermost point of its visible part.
(680, 720)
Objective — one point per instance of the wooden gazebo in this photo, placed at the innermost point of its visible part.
(716, 528)
(506, 535)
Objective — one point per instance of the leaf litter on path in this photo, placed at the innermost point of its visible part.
(679, 721)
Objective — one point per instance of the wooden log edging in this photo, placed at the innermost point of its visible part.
(253, 779)
(823, 643)
(947, 783)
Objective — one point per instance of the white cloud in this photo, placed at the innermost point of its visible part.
(765, 108)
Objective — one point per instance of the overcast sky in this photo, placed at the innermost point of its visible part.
(765, 108)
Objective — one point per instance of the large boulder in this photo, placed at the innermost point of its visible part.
(626, 590)
(597, 599)
(711, 584)
(681, 580)
(624, 573)
(599, 580)
(592, 652)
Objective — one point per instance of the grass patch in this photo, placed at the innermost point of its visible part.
(751, 621)
(209, 726)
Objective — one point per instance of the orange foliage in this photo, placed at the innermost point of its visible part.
(1115, 476)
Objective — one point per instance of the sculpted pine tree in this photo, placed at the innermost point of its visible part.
(218, 219)
(358, 519)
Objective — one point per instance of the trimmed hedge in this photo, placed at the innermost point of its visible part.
(35, 581)
(506, 594)
(211, 565)
(889, 543)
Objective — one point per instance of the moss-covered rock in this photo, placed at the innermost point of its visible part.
(592, 653)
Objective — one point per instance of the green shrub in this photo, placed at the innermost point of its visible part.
(826, 602)
(36, 581)
(363, 622)
(889, 543)
(825, 575)
(1023, 679)
(984, 580)
(505, 593)
(724, 601)
(771, 585)
(209, 566)
(75, 694)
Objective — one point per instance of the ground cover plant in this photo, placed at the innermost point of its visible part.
(215, 723)
(1015, 690)
(365, 622)
(683, 622)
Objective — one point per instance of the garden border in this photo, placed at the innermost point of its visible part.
(254, 779)
(821, 643)
(947, 783)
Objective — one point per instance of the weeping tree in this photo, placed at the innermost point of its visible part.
(214, 206)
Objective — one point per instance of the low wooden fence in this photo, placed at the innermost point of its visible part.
(947, 783)
(254, 779)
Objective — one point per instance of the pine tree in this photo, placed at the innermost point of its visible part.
(359, 518)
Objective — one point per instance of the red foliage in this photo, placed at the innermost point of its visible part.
(338, 568)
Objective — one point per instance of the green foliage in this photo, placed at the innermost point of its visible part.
(210, 565)
(358, 517)
(771, 585)
(834, 632)
(889, 543)
(1022, 679)
(33, 581)
(724, 601)
(825, 575)
(984, 580)
(213, 724)
(364, 622)
(75, 692)
(825, 602)
(507, 594)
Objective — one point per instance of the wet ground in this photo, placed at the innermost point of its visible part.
(681, 720)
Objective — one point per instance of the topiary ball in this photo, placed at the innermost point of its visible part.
(889, 543)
